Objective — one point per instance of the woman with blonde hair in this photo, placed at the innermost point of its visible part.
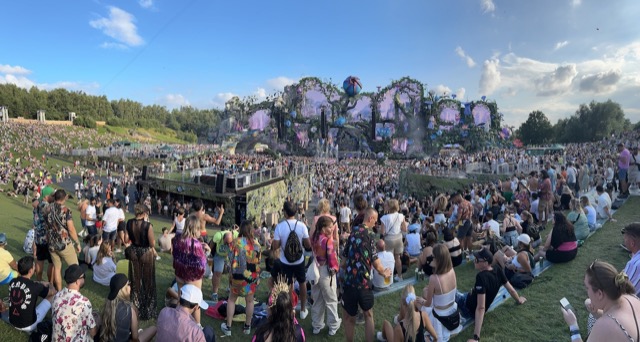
(392, 226)
(578, 218)
(189, 256)
(611, 293)
(438, 299)
(411, 326)
(439, 207)
(120, 316)
(142, 262)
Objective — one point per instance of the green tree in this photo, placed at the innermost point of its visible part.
(593, 122)
(536, 130)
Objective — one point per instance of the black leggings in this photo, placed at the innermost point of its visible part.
(558, 257)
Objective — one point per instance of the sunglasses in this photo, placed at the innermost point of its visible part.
(477, 260)
(593, 272)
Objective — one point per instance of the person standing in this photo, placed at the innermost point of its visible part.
(345, 218)
(61, 235)
(91, 217)
(359, 258)
(624, 158)
(73, 316)
(142, 268)
(41, 251)
(393, 225)
(291, 251)
(110, 222)
(221, 244)
(324, 291)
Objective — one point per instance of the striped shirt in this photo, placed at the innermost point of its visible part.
(633, 271)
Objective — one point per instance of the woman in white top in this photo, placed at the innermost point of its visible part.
(178, 223)
(414, 244)
(91, 249)
(439, 207)
(439, 297)
(105, 267)
(393, 225)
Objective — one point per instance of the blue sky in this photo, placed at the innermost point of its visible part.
(548, 55)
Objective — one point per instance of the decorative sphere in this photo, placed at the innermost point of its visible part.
(294, 114)
(287, 123)
(340, 121)
(352, 86)
(314, 129)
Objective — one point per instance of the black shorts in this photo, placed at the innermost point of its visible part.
(43, 254)
(353, 298)
(109, 236)
(121, 226)
(465, 229)
(292, 272)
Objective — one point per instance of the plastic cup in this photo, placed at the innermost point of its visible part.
(387, 280)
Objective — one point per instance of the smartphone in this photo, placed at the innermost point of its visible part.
(566, 305)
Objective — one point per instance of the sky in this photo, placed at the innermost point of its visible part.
(548, 55)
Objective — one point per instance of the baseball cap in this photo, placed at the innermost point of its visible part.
(74, 272)
(524, 238)
(118, 281)
(484, 254)
(632, 229)
(193, 295)
(3, 239)
(47, 191)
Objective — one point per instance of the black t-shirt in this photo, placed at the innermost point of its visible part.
(23, 296)
(487, 283)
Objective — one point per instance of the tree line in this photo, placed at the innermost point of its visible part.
(591, 122)
(188, 122)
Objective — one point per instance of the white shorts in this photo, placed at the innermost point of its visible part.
(41, 311)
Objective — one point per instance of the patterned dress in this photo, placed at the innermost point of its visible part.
(245, 266)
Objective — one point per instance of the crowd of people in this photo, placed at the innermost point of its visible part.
(362, 240)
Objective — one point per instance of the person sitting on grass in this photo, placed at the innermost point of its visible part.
(105, 265)
(518, 269)
(412, 325)
(178, 324)
(388, 261)
(165, 241)
(474, 304)
(8, 266)
(578, 218)
(424, 260)
(120, 316)
(529, 227)
(24, 315)
(412, 242)
(453, 245)
(590, 211)
(561, 244)
(281, 324)
(611, 293)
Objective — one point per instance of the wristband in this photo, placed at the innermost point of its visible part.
(574, 332)
(574, 327)
(476, 337)
(576, 337)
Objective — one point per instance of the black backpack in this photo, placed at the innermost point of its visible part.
(43, 332)
(534, 232)
(293, 247)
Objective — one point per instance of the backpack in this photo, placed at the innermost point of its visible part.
(27, 247)
(293, 247)
(43, 332)
(534, 232)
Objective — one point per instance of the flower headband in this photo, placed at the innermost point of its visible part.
(279, 287)
(410, 298)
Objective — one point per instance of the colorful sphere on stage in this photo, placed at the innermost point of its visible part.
(352, 86)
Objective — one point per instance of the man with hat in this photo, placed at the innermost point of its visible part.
(73, 316)
(41, 252)
(490, 277)
(631, 235)
(177, 324)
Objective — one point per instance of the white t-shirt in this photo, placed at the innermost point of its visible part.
(534, 208)
(179, 225)
(493, 225)
(282, 234)
(392, 223)
(591, 214)
(388, 261)
(110, 219)
(345, 215)
(604, 201)
(103, 273)
(413, 244)
(91, 215)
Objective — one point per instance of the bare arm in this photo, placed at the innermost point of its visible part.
(479, 315)
(74, 235)
(134, 324)
(209, 219)
(152, 240)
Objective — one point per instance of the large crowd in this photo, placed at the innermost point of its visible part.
(364, 237)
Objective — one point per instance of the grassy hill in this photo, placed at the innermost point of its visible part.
(163, 135)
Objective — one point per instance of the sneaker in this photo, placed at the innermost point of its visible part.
(333, 332)
(316, 331)
(214, 297)
(158, 257)
(225, 329)
(303, 314)
(379, 337)
(397, 279)
(199, 326)
(360, 318)
(246, 329)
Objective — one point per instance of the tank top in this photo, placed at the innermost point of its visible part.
(445, 299)
(419, 334)
(123, 322)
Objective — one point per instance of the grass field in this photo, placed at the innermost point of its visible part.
(537, 320)
(142, 134)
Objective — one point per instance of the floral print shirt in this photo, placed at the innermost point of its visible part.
(245, 259)
(465, 210)
(72, 317)
(359, 254)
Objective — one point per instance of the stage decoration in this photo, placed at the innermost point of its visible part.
(482, 116)
(287, 123)
(259, 120)
(352, 86)
(484, 98)
(341, 121)
(294, 114)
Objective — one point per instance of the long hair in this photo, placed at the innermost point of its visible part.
(109, 320)
(191, 227)
(279, 324)
(561, 222)
(410, 330)
(323, 221)
(604, 276)
(246, 230)
(443, 259)
(103, 252)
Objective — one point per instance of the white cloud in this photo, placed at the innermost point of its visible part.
(111, 45)
(260, 93)
(174, 101)
(119, 26)
(460, 93)
(556, 82)
(26, 83)
(20, 81)
(460, 52)
(601, 82)
(146, 3)
(490, 78)
(442, 89)
(576, 3)
(14, 70)
(560, 45)
(224, 97)
(280, 82)
(487, 6)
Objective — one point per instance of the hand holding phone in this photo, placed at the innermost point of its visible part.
(566, 305)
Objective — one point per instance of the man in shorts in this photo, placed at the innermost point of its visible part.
(357, 288)
(624, 159)
(221, 244)
(41, 252)
(465, 211)
(110, 222)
